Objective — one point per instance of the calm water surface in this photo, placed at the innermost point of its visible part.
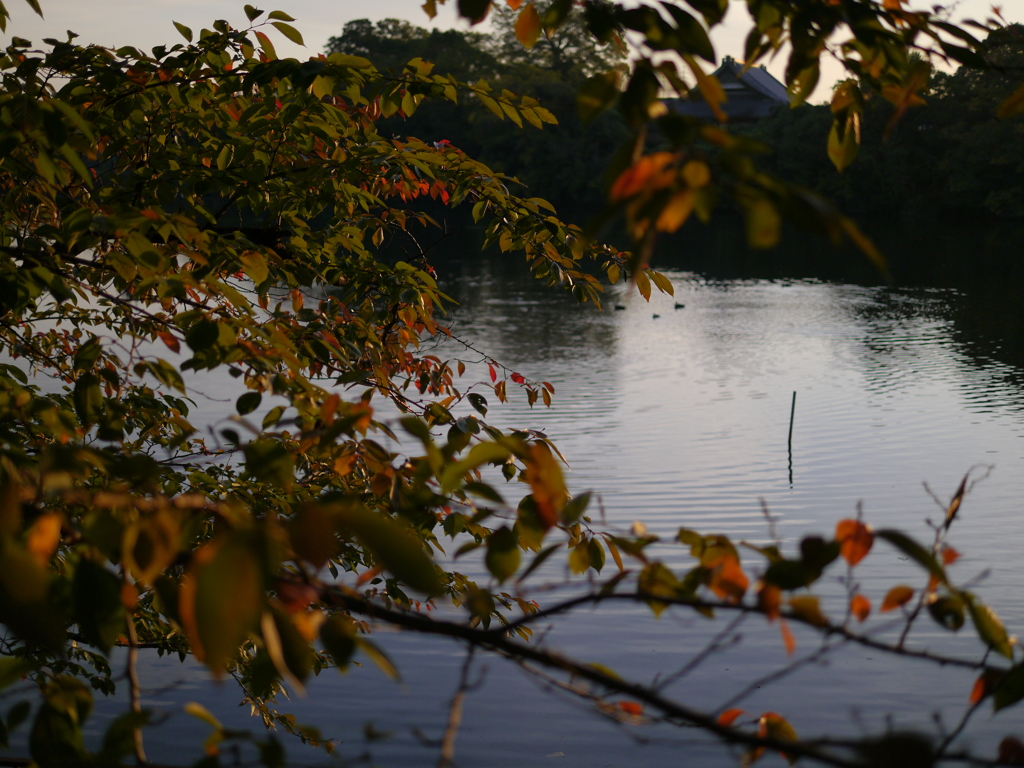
(681, 419)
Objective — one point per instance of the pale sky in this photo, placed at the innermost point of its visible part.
(146, 23)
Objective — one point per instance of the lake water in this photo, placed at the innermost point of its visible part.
(679, 417)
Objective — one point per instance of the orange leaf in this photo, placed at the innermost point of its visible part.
(855, 540)
(368, 575)
(169, 340)
(949, 556)
(44, 536)
(728, 580)
(787, 637)
(896, 597)
(528, 26)
(728, 717)
(129, 595)
(860, 607)
(630, 707)
(769, 598)
(985, 684)
(640, 175)
(546, 481)
(676, 211)
(514, 4)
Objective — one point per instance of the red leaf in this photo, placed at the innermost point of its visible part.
(518, 379)
(728, 717)
(494, 374)
(949, 556)
(630, 707)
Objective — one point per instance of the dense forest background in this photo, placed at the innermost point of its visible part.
(951, 157)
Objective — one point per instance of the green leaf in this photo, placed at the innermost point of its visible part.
(288, 31)
(479, 454)
(539, 560)
(229, 598)
(987, 623)
(503, 554)
(392, 544)
(474, 10)
(88, 399)
(1010, 689)
(597, 94)
(915, 552)
(12, 669)
(803, 85)
(964, 56)
(99, 613)
(280, 16)
(251, 12)
(202, 334)
(248, 403)
(575, 508)
(378, 657)
(693, 36)
(119, 739)
(183, 31)
(595, 553)
(844, 141)
(948, 611)
(339, 640)
(479, 403)
(270, 462)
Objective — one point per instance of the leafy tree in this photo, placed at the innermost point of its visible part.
(955, 155)
(211, 207)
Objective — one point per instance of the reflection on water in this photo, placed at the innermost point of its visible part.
(679, 417)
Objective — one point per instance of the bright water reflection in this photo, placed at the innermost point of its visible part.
(681, 420)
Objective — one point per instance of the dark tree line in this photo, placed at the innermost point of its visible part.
(564, 163)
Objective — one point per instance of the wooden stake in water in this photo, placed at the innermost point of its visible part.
(792, 413)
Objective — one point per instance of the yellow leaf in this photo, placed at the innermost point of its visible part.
(696, 174)
(806, 607)
(643, 284)
(763, 224)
